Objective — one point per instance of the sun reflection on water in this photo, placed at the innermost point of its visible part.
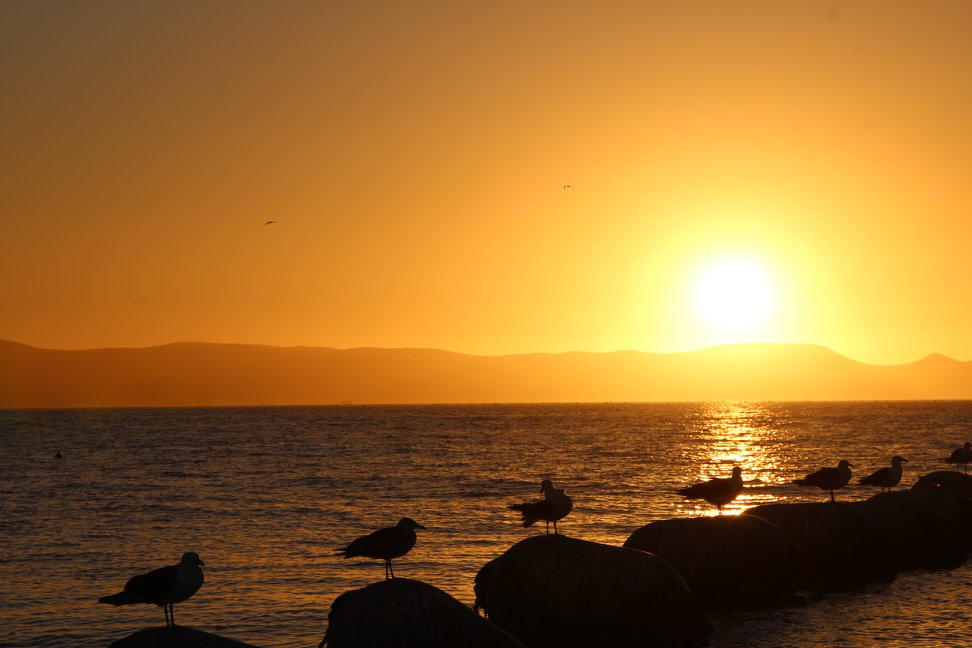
(732, 434)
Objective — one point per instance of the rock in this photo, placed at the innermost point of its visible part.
(730, 561)
(947, 479)
(177, 637)
(401, 612)
(951, 504)
(551, 590)
(920, 535)
(847, 548)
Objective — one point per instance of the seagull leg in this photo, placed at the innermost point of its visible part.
(555, 528)
(172, 613)
(391, 569)
(832, 496)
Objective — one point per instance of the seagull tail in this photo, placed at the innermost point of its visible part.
(121, 598)
(524, 509)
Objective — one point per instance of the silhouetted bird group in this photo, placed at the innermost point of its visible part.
(167, 586)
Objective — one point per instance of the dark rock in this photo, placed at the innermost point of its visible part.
(400, 613)
(177, 637)
(952, 504)
(731, 561)
(559, 591)
(920, 535)
(947, 479)
(847, 548)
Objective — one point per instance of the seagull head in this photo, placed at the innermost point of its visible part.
(736, 471)
(191, 558)
(546, 485)
(896, 459)
(843, 463)
(409, 523)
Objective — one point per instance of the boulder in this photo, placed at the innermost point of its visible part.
(947, 479)
(405, 613)
(177, 637)
(847, 548)
(920, 536)
(731, 561)
(551, 590)
(951, 504)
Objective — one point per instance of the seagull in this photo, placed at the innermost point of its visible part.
(386, 543)
(164, 587)
(962, 456)
(566, 186)
(885, 477)
(719, 491)
(828, 479)
(554, 506)
(270, 222)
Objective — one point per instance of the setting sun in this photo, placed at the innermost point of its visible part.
(734, 296)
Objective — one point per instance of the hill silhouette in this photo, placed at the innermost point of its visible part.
(202, 374)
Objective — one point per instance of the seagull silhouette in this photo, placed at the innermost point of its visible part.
(270, 222)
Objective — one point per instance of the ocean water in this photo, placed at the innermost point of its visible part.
(265, 495)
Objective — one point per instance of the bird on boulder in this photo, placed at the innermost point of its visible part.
(164, 587)
(719, 491)
(828, 479)
(885, 477)
(554, 506)
(384, 544)
(962, 456)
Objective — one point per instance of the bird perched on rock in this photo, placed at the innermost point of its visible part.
(385, 544)
(885, 477)
(554, 506)
(962, 456)
(164, 587)
(719, 491)
(828, 479)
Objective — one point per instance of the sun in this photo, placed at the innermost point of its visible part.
(734, 297)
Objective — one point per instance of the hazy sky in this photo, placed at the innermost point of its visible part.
(414, 156)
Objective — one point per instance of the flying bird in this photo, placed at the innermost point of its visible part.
(566, 186)
(962, 456)
(554, 506)
(164, 587)
(385, 544)
(270, 222)
(885, 477)
(719, 491)
(828, 479)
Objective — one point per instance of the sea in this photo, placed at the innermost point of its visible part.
(266, 495)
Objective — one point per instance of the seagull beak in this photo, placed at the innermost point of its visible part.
(201, 562)
(419, 526)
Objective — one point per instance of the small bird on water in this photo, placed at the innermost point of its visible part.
(719, 491)
(885, 477)
(828, 479)
(962, 456)
(164, 587)
(554, 506)
(385, 544)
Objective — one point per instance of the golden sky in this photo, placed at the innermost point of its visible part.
(738, 171)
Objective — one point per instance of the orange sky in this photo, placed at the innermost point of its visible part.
(414, 156)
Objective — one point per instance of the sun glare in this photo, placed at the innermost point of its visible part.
(734, 296)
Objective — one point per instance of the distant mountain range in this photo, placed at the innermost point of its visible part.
(201, 374)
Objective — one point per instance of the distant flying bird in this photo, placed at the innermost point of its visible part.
(828, 479)
(385, 544)
(164, 587)
(566, 186)
(554, 506)
(885, 477)
(962, 456)
(719, 491)
(270, 222)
